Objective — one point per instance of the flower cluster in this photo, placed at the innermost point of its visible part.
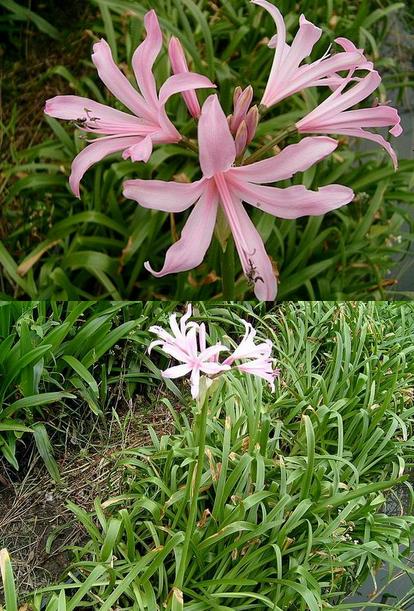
(228, 177)
(187, 344)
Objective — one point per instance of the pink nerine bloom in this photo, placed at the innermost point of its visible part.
(133, 134)
(184, 346)
(287, 76)
(332, 116)
(259, 355)
(225, 185)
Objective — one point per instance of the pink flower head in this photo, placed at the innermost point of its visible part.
(179, 66)
(332, 116)
(287, 76)
(196, 358)
(225, 185)
(134, 134)
(259, 355)
(183, 345)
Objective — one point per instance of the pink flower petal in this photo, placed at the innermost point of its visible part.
(294, 202)
(94, 152)
(209, 354)
(101, 118)
(254, 259)
(349, 46)
(161, 195)
(139, 152)
(145, 56)
(217, 148)
(338, 101)
(261, 370)
(186, 81)
(117, 83)
(362, 133)
(196, 236)
(294, 158)
(176, 372)
(179, 65)
(306, 37)
(195, 383)
(280, 40)
(378, 116)
(213, 369)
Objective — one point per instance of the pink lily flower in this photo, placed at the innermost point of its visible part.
(179, 66)
(196, 358)
(182, 345)
(332, 116)
(287, 76)
(225, 185)
(260, 363)
(134, 134)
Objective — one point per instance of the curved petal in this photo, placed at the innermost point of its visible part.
(377, 116)
(362, 133)
(338, 101)
(117, 83)
(309, 75)
(176, 372)
(217, 148)
(294, 202)
(349, 46)
(254, 259)
(294, 158)
(139, 152)
(185, 81)
(280, 50)
(196, 236)
(179, 65)
(94, 152)
(145, 56)
(213, 369)
(306, 37)
(161, 195)
(98, 117)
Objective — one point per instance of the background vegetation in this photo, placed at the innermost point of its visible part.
(294, 510)
(55, 246)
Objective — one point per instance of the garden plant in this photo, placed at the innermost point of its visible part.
(294, 121)
(256, 496)
(206, 333)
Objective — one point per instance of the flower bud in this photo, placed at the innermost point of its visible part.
(241, 138)
(252, 120)
(241, 107)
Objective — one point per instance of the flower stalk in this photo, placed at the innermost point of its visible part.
(267, 148)
(227, 270)
(194, 479)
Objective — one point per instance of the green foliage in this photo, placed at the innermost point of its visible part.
(56, 246)
(57, 355)
(290, 509)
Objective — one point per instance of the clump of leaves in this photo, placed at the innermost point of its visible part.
(290, 506)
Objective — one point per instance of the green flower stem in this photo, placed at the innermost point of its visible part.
(189, 144)
(257, 155)
(193, 483)
(227, 270)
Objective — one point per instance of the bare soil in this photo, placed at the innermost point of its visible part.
(36, 525)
